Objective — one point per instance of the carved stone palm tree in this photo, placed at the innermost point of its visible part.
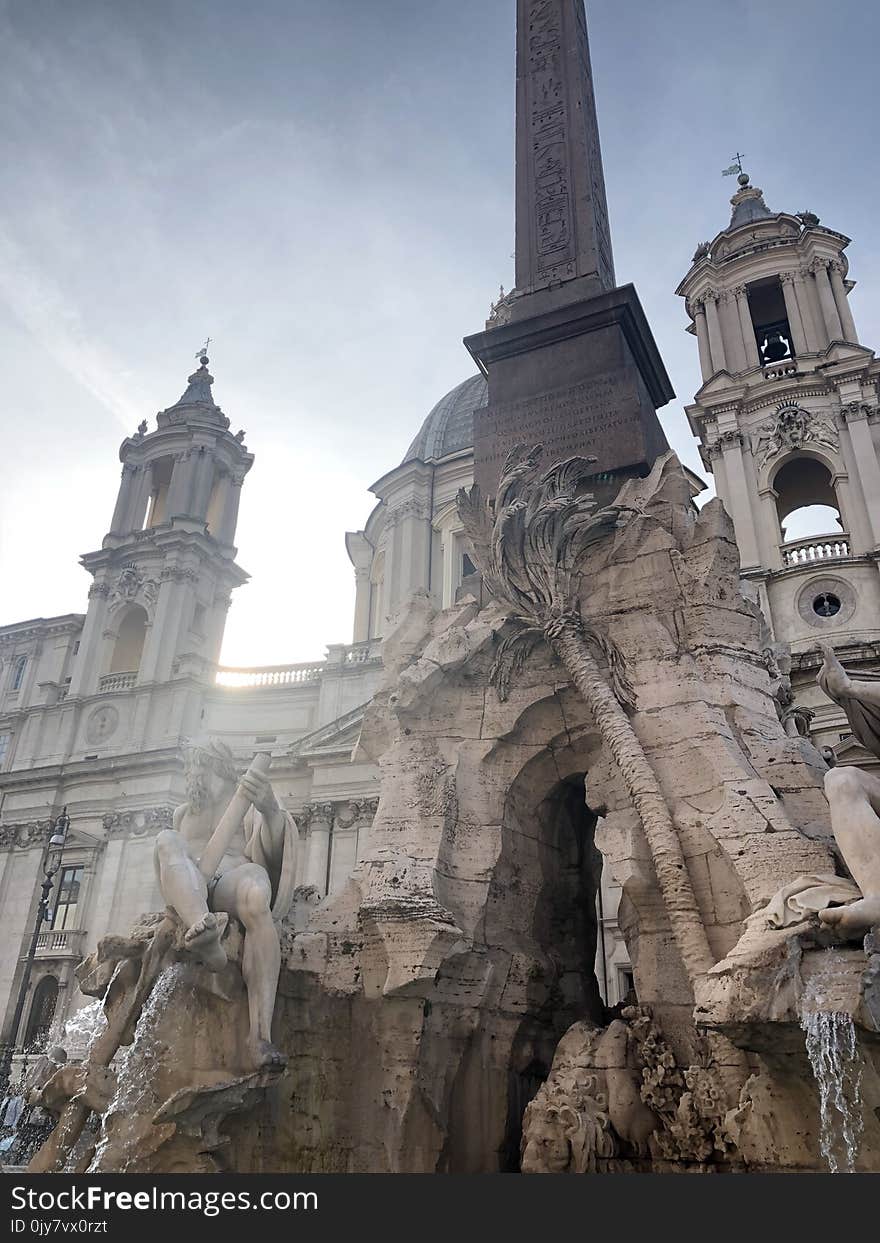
(532, 547)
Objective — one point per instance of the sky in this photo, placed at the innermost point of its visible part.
(325, 188)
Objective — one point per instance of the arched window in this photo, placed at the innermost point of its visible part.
(806, 500)
(129, 643)
(18, 668)
(42, 1010)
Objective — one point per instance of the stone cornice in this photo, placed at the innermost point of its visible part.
(129, 763)
(39, 627)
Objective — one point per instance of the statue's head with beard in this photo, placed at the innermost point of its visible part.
(211, 773)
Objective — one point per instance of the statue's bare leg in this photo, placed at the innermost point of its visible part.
(246, 893)
(854, 799)
(183, 887)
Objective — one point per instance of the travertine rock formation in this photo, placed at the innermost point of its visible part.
(421, 1007)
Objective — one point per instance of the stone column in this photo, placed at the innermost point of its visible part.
(841, 301)
(343, 854)
(180, 486)
(170, 615)
(410, 530)
(716, 341)
(833, 326)
(225, 533)
(203, 482)
(141, 488)
(803, 287)
(702, 330)
(856, 415)
(750, 345)
(361, 604)
(738, 501)
(123, 500)
(770, 530)
(366, 810)
(318, 856)
(86, 670)
(793, 312)
(731, 327)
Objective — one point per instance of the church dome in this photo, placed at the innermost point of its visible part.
(450, 425)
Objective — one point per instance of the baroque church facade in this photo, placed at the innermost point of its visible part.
(95, 707)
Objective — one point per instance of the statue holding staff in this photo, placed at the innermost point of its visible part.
(232, 852)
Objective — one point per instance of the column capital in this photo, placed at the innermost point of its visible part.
(819, 264)
(854, 411)
(789, 278)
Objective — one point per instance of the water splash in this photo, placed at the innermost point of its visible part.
(837, 1065)
(135, 1097)
(79, 1031)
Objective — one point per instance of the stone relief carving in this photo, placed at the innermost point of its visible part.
(140, 823)
(615, 1093)
(178, 574)
(102, 723)
(25, 834)
(795, 719)
(133, 585)
(791, 428)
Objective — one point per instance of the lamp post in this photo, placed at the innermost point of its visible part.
(51, 864)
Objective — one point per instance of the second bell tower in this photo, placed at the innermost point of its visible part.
(165, 571)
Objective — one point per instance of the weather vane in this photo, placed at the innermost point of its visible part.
(203, 352)
(736, 166)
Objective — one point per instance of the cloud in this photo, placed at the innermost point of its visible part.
(41, 307)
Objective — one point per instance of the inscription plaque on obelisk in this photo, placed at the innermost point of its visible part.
(574, 365)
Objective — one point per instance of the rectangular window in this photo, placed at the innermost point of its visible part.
(5, 740)
(18, 672)
(65, 915)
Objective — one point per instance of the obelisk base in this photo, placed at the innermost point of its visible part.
(584, 379)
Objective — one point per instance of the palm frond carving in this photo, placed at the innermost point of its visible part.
(532, 547)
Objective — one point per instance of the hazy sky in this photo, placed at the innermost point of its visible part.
(325, 187)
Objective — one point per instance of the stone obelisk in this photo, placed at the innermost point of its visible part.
(569, 356)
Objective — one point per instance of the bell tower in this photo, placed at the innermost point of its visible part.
(165, 571)
(788, 423)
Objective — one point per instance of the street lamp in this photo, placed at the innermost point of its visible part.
(51, 864)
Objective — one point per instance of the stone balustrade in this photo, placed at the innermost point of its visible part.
(60, 943)
(267, 675)
(340, 655)
(118, 681)
(815, 548)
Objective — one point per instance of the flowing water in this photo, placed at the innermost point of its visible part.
(136, 1069)
(837, 1065)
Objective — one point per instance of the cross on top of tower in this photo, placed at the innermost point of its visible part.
(202, 354)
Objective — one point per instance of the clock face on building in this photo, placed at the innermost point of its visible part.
(102, 723)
